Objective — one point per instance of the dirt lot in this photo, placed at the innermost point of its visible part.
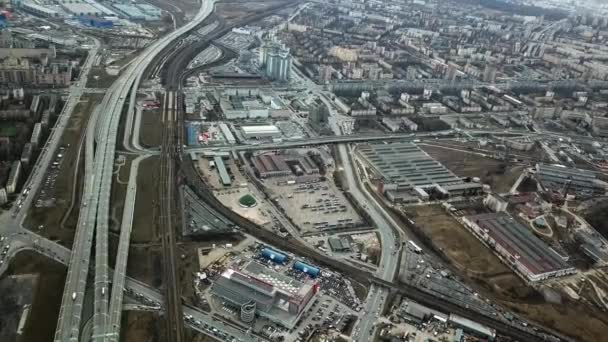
(234, 10)
(491, 171)
(144, 229)
(140, 326)
(490, 276)
(58, 226)
(150, 131)
(597, 216)
(145, 263)
(47, 299)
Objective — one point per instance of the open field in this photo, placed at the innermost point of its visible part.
(47, 298)
(498, 174)
(55, 224)
(140, 326)
(144, 228)
(150, 131)
(490, 276)
(144, 264)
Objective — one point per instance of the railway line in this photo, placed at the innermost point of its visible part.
(174, 329)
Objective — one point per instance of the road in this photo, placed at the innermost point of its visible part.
(389, 261)
(96, 204)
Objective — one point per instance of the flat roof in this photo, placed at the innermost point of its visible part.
(406, 164)
(279, 281)
(520, 242)
(221, 168)
(260, 129)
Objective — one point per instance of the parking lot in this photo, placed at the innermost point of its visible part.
(315, 206)
(47, 197)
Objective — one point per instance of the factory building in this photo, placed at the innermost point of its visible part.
(277, 297)
(38, 10)
(274, 256)
(222, 171)
(13, 177)
(517, 246)
(406, 173)
(472, 327)
(235, 108)
(284, 164)
(227, 134)
(261, 131)
(582, 183)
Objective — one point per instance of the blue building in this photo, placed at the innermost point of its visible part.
(191, 135)
(95, 22)
(305, 268)
(273, 256)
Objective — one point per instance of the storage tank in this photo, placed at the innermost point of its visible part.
(302, 267)
(273, 255)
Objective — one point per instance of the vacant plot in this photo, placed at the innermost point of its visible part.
(140, 326)
(144, 229)
(57, 222)
(463, 250)
(144, 264)
(498, 174)
(47, 298)
(151, 129)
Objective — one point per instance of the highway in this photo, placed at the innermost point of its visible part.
(96, 203)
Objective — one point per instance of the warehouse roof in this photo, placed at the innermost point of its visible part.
(520, 242)
(407, 165)
(262, 129)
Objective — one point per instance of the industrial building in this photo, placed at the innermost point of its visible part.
(472, 327)
(274, 256)
(407, 174)
(277, 297)
(222, 171)
(517, 246)
(582, 183)
(339, 244)
(235, 107)
(227, 134)
(271, 164)
(261, 131)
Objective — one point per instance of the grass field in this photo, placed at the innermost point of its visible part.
(144, 228)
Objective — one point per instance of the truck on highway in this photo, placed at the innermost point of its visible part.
(73, 295)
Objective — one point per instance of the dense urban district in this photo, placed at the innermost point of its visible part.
(282, 170)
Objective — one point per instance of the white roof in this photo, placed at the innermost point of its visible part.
(260, 129)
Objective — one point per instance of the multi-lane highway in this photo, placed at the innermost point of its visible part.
(96, 199)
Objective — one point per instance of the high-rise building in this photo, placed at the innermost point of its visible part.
(325, 72)
(318, 114)
(275, 60)
(489, 73)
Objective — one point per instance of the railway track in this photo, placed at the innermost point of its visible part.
(174, 329)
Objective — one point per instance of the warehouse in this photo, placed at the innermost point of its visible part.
(277, 297)
(221, 169)
(260, 132)
(583, 183)
(517, 246)
(271, 165)
(407, 173)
